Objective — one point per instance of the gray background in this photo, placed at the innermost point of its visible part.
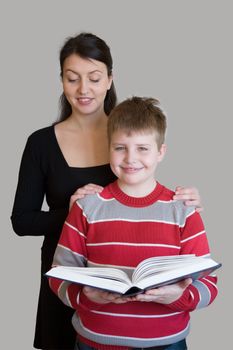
(177, 51)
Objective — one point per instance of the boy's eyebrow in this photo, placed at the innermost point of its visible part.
(137, 144)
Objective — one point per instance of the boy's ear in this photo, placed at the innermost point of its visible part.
(162, 152)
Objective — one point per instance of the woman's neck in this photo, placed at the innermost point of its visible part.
(87, 122)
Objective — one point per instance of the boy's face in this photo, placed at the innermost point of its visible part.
(133, 159)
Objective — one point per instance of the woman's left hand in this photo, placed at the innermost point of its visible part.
(164, 295)
(190, 196)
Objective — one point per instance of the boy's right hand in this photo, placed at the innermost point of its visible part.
(83, 191)
(102, 297)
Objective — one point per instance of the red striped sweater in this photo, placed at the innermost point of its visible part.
(113, 229)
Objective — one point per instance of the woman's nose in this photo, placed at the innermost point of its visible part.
(83, 87)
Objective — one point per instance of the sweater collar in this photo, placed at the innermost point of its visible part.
(135, 201)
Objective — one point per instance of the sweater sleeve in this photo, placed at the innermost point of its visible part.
(27, 217)
(70, 251)
(203, 291)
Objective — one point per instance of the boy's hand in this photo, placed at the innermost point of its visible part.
(190, 196)
(164, 295)
(102, 297)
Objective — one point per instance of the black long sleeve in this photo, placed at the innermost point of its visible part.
(27, 217)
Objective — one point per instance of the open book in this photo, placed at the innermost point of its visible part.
(150, 273)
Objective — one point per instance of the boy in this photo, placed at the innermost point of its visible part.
(130, 220)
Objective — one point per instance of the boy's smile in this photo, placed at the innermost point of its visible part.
(133, 159)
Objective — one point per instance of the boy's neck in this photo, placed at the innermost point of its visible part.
(138, 190)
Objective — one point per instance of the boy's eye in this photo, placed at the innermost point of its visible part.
(143, 148)
(94, 80)
(119, 148)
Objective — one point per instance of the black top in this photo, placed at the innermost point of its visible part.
(44, 172)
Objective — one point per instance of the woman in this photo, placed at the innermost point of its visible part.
(59, 161)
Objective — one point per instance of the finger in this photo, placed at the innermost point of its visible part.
(87, 290)
(187, 194)
(145, 297)
(88, 190)
(93, 187)
(187, 190)
(199, 209)
(74, 197)
(121, 300)
(192, 201)
(185, 283)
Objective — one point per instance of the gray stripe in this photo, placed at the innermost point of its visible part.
(96, 209)
(204, 294)
(67, 257)
(125, 341)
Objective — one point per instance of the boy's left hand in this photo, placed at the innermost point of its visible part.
(164, 295)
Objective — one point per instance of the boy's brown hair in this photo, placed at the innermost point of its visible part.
(138, 114)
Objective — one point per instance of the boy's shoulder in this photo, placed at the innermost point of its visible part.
(91, 200)
(166, 194)
(178, 205)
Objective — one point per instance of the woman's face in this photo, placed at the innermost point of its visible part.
(85, 84)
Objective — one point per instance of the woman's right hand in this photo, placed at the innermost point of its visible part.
(83, 191)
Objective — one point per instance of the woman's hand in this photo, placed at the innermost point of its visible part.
(190, 196)
(83, 191)
(102, 297)
(164, 295)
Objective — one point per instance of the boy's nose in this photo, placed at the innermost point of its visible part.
(130, 157)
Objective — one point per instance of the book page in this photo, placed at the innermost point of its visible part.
(194, 271)
(104, 278)
(154, 265)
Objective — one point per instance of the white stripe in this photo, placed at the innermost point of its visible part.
(131, 220)
(61, 295)
(133, 244)
(192, 295)
(192, 237)
(68, 299)
(75, 229)
(105, 199)
(78, 298)
(212, 283)
(78, 204)
(135, 315)
(191, 213)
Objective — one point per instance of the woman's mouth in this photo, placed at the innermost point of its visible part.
(84, 100)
